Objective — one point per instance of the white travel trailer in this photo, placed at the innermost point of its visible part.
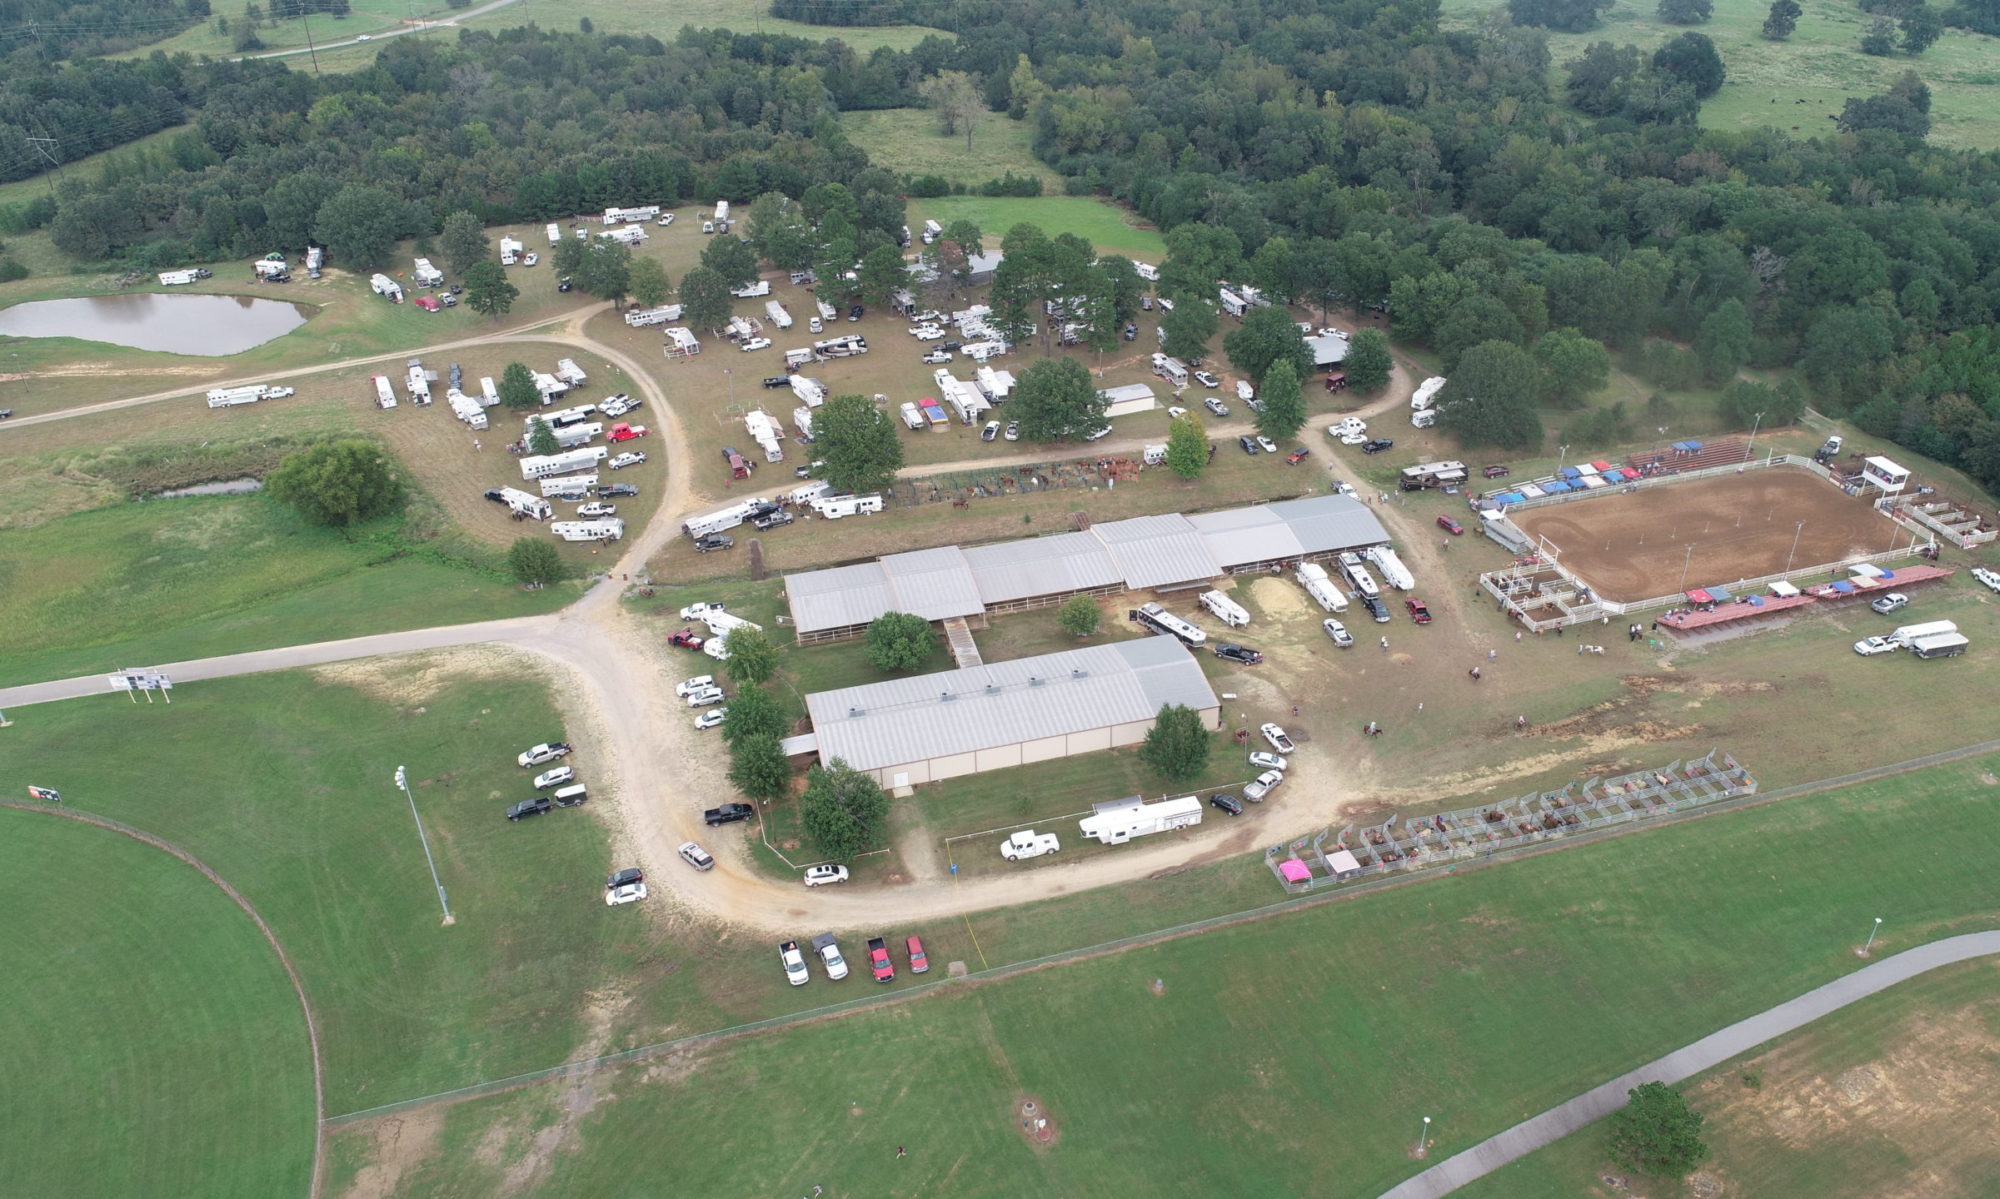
(1119, 821)
(1227, 610)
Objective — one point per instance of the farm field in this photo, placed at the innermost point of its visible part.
(907, 141)
(1110, 228)
(155, 1045)
(1284, 1065)
(1821, 65)
(1889, 1096)
(665, 18)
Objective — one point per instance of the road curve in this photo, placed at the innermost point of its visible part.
(1689, 1060)
(363, 39)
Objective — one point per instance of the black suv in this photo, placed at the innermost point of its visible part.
(495, 496)
(1239, 653)
(611, 491)
(856, 313)
(728, 813)
(530, 807)
(776, 381)
(1376, 445)
(625, 878)
(563, 284)
(714, 541)
(1227, 802)
(772, 520)
(1249, 445)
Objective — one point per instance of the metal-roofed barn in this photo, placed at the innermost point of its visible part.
(937, 726)
(1158, 551)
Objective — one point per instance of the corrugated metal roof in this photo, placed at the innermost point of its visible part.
(933, 584)
(907, 720)
(1324, 523)
(1157, 550)
(1015, 570)
(1242, 535)
(1328, 350)
(1130, 391)
(839, 597)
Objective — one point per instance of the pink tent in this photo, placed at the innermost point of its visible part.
(1294, 871)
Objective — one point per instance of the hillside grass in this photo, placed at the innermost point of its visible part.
(1111, 229)
(1821, 64)
(907, 141)
(1307, 1046)
(153, 1043)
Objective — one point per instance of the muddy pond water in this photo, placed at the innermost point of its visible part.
(205, 325)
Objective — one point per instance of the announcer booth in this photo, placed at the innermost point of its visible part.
(1884, 475)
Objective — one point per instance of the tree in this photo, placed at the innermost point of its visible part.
(900, 641)
(1199, 257)
(534, 561)
(957, 100)
(1056, 401)
(1120, 279)
(336, 483)
(1568, 16)
(731, 257)
(752, 658)
(882, 275)
(1723, 341)
(1686, 12)
(517, 388)
(705, 299)
(1490, 398)
(1189, 327)
(1176, 746)
(757, 765)
(567, 256)
(779, 232)
(1657, 1133)
(541, 438)
(752, 713)
(1479, 317)
(1576, 366)
(650, 287)
(1187, 446)
(463, 242)
(858, 443)
(1691, 59)
(606, 271)
(359, 225)
(1783, 19)
(1078, 616)
(1922, 26)
(1597, 79)
(1368, 362)
(843, 810)
(1880, 40)
(1283, 409)
(1267, 336)
(487, 289)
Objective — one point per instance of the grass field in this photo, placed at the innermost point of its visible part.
(907, 141)
(1821, 64)
(1110, 228)
(140, 584)
(1250, 1060)
(153, 1043)
(1869, 1101)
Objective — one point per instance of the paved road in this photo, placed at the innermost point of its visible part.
(1689, 1060)
(366, 38)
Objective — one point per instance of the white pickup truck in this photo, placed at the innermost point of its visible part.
(1029, 844)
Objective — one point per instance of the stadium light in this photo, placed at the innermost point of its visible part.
(403, 781)
(1871, 937)
(1750, 451)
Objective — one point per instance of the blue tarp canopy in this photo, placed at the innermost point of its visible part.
(1719, 594)
(1887, 575)
(1510, 497)
(1569, 472)
(1555, 487)
(1842, 586)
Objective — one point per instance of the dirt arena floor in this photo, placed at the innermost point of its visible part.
(1634, 547)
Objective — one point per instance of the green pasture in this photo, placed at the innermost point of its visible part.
(1296, 1052)
(1110, 228)
(907, 141)
(153, 1043)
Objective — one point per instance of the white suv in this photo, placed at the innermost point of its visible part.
(819, 876)
(704, 697)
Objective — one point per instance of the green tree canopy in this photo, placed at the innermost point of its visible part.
(1282, 411)
(780, 233)
(1187, 446)
(1723, 341)
(1657, 1133)
(1189, 328)
(757, 765)
(463, 242)
(517, 388)
(1477, 318)
(752, 658)
(1691, 58)
(1686, 12)
(650, 287)
(882, 275)
(1056, 401)
(359, 225)
(900, 641)
(1266, 336)
(705, 299)
(541, 438)
(1078, 616)
(337, 483)
(858, 443)
(606, 270)
(752, 713)
(535, 561)
(843, 810)
(1490, 398)
(1176, 747)
(731, 257)
(1576, 366)
(1922, 26)
(1368, 361)
(488, 291)
(1782, 20)
(566, 257)
(1567, 16)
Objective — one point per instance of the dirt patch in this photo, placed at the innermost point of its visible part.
(1280, 600)
(525, 1164)
(396, 1144)
(1158, 986)
(409, 681)
(1036, 1126)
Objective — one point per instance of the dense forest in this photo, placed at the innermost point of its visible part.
(44, 31)
(1336, 153)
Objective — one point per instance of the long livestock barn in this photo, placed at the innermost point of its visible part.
(938, 726)
(1145, 553)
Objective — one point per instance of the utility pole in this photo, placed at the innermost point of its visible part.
(305, 19)
(43, 144)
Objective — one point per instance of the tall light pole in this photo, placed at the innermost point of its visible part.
(1562, 452)
(1796, 534)
(1863, 952)
(1424, 1137)
(403, 781)
(731, 379)
(1750, 451)
(1686, 564)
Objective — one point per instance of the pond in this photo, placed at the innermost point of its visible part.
(210, 326)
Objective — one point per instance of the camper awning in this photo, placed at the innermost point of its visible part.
(1699, 596)
(1294, 871)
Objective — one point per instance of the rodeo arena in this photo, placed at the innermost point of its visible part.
(1700, 537)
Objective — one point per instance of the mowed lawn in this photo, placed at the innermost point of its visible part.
(1293, 1055)
(1112, 229)
(141, 584)
(153, 1044)
(1891, 1096)
(283, 784)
